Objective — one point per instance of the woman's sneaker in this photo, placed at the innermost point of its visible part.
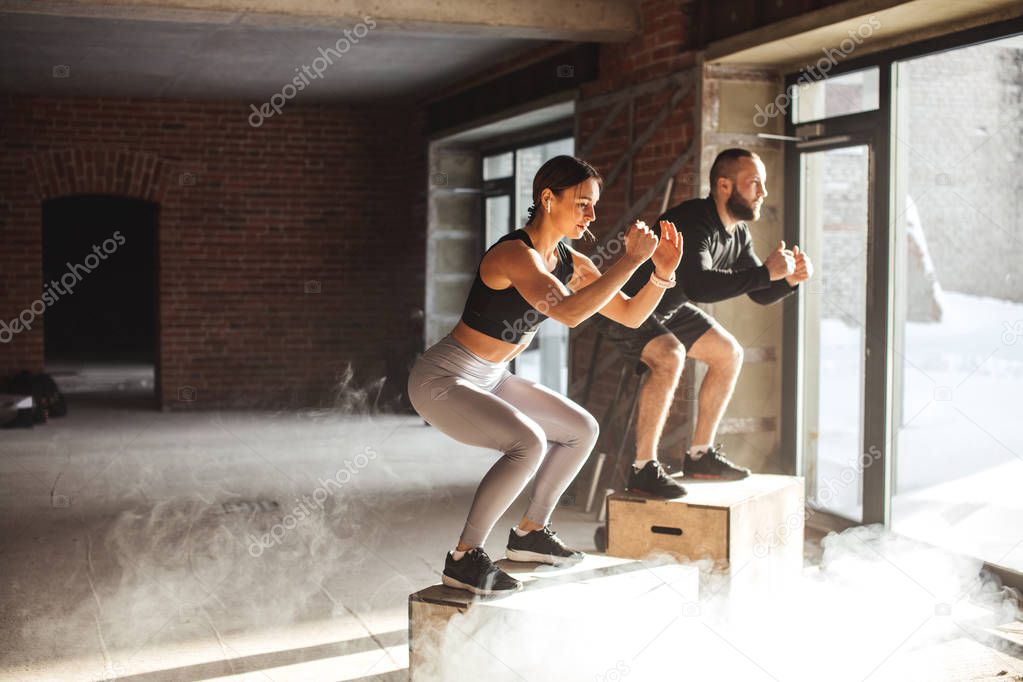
(476, 573)
(541, 545)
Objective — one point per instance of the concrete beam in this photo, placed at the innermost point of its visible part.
(575, 20)
(793, 43)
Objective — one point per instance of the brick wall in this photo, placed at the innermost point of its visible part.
(329, 196)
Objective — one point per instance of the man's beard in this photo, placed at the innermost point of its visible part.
(739, 208)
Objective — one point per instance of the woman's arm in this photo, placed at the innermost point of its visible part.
(631, 312)
(525, 270)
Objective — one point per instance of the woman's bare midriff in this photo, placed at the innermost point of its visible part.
(487, 347)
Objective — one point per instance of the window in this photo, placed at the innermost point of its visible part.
(849, 93)
(498, 166)
(958, 299)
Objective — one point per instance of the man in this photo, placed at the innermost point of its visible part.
(718, 263)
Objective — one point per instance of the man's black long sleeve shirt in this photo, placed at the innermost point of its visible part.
(715, 265)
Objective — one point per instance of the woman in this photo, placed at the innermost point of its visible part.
(462, 385)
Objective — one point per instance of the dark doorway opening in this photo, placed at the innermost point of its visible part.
(100, 267)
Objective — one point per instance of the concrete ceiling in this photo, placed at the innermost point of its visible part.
(74, 55)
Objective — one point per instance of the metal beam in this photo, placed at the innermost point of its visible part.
(649, 195)
(647, 133)
(592, 141)
(631, 136)
(678, 79)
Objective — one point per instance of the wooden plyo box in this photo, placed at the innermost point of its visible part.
(447, 626)
(754, 526)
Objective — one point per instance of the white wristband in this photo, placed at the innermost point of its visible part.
(661, 282)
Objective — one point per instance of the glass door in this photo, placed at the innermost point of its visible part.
(508, 194)
(904, 359)
(497, 222)
(837, 328)
(498, 191)
(546, 361)
(835, 190)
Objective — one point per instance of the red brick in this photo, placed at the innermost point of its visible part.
(311, 195)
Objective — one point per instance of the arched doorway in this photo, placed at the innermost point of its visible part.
(101, 269)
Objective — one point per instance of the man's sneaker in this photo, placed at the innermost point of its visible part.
(713, 465)
(543, 546)
(652, 479)
(478, 574)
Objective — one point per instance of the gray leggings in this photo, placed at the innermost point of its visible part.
(481, 403)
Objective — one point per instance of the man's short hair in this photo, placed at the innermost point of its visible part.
(726, 165)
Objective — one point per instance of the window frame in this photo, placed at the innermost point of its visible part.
(877, 126)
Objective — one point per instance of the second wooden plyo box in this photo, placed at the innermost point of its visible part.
(579, 604)
(753, 526)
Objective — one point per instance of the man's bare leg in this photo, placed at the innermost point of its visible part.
(722, 354)
(665, 357)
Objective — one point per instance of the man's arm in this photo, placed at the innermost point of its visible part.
(704, 283)
(776, 290)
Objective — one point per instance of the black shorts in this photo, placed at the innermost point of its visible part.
(688, 324)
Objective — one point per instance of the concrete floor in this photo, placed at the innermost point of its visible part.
(152, 546)
(149, 546)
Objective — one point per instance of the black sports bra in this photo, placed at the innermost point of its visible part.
(503, 313)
